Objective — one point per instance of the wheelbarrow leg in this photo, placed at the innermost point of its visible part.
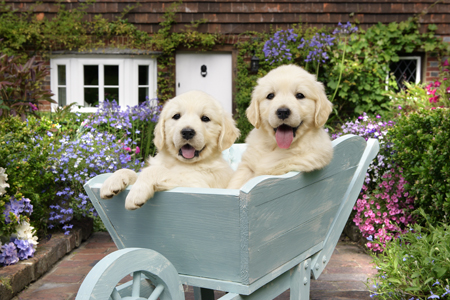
(301, 281)
(203, 294)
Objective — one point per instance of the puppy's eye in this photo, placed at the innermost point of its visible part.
(176, 116)
(299, 96)
(205, 119)
(270, 96)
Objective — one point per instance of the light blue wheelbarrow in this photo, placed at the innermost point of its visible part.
(253, 243)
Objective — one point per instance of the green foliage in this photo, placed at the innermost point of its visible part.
(413, 98)
(421, 141)
(24, 152)
(68, 29)
(21, 86)
(414, 266)
(366, 64)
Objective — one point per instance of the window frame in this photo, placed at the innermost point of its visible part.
(128, 78)
(418, 70)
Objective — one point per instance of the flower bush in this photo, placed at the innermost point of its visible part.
(383, 209)
(422, 96)
(414, 266)
(46, 165)
(108, 140)
(440, 89)
(22, 243)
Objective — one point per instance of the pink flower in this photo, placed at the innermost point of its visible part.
(445, 63)
(138, 150)
(33, 107)
(127, 149)
(434, 99)
(437, 84)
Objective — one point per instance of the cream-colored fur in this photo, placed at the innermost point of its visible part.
(290, 88)
(215, 131)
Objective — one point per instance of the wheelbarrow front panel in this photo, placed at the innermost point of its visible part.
(197, 232)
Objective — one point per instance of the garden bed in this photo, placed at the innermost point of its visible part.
(15, 278)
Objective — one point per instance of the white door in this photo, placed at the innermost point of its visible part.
(207, 72)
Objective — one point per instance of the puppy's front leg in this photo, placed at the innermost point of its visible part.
(243, 174)
(143, 189)
(117, 182)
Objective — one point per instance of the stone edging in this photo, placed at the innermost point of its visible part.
(15, 278)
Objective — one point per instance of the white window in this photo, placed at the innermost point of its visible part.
(90, 80)
(408, 69)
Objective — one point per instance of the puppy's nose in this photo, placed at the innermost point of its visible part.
(283, 113)
(187, 133)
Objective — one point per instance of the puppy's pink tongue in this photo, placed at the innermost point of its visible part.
(284, 136)
(188, 151)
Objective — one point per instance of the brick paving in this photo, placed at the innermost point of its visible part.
(343, 278)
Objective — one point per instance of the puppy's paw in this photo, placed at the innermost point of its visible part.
(117, 183)
(138, 195)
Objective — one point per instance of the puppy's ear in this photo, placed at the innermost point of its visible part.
(252, 111)
(323, 106)
(159, 132)
(229, 132)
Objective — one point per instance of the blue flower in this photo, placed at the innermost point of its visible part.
(433, 296)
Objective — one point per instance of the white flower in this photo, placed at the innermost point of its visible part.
(25, 232)
(3, 179)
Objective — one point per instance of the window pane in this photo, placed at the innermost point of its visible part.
(143, 94)
(90, 97)
(61, 75)
(112, 94)
(143, 75)
(90, 75)
(404, 70)
(111, 75)
(62, 96)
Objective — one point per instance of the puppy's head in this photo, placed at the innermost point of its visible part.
(193, 127)
(287, 102)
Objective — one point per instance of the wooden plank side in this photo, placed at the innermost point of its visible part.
(274, 218)
(198, 233)
(347, 151)
(269, 256)
(354, 188)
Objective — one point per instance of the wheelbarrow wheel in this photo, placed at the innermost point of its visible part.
(154, 277)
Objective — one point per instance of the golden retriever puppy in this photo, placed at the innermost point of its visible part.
(192, 131)
(288, 109)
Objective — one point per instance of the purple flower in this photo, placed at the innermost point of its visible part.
(8, 255)
(26, 249)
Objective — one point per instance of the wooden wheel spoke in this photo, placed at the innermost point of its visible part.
(115, 295)
(136, 290)
(156, 292)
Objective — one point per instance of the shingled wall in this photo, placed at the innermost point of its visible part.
(237, 16)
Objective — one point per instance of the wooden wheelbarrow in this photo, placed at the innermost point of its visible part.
(253, 243)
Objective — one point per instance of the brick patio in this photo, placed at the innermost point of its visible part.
(343, 278)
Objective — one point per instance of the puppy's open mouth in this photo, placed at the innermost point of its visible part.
(284, 134)
(189, 152)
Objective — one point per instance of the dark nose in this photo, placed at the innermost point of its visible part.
(283, 113)
(187, 133)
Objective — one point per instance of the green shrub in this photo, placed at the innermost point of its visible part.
(420, 146)
(24, 153)
(414, 266)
